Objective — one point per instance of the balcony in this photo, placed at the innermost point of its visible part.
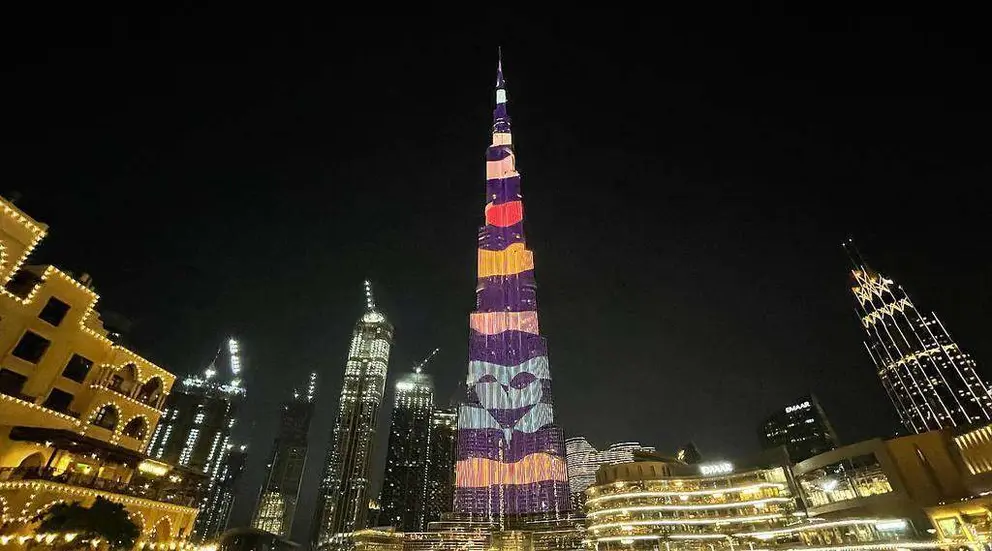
(147, 490)
(124, 382)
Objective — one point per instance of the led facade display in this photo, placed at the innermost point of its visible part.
(510, 454)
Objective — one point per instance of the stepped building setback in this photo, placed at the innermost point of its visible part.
(511, 455)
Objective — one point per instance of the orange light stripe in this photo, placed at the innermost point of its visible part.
(494, 323)
(504, 168)
(479, 472)
(511, 260)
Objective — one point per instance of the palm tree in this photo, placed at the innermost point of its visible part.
(104, 519)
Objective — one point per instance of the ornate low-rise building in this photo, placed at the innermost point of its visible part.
(76, 409)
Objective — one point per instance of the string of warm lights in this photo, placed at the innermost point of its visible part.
(732, 489)
(65, 489)
(700, 507)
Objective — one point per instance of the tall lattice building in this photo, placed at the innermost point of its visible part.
(280, 493)
(404, 486)
(343, 498)
(931, 382)
(584, 460)
(511, 457)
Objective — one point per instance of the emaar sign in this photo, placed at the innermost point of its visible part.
(797, 407)
(709, 469)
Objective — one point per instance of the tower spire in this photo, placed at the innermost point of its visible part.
(369, 298)
(854, 254)
(501, 120)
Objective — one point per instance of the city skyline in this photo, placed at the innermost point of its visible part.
(760, 270)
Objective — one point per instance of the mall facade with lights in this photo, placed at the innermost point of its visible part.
(77, 410)
(662, 503)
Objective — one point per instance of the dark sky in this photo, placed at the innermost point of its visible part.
(686, 190)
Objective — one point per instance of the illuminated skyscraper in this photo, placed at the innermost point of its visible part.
(802, 427)
(195, 432)
(931, 382)
(584, 460)
(404, 486)
(343, 498)
(277, 500)
(511, 456)
(441, 462)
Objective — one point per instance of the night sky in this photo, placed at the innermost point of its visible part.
(686, 194)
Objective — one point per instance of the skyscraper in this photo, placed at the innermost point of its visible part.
(441, 462)
(584, 460)
(195, 432)
(931, 382)
(802, 427)
(277, 500)
(511, 457)
(343, 497)
(404, 486)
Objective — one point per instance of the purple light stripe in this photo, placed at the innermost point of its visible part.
(539, 497)
(503, 190)
(494, 238)
(487, 443)
(509, 293)
(498, 152)
(506, 348)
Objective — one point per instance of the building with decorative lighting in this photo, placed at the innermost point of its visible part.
(441, 462)
(343, 495)
(662, 503)
(279, 495)
(511, 455)
(584, 460)
(930, 380)
(404, 499)
(195, 433)
(801, 427)
(76, 409)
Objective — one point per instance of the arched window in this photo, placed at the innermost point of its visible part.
(124, 379)
(136, 428)
(33, 461)
(106, 417)
(150, 391)
(162, 531)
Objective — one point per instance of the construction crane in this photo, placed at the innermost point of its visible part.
(423, 363)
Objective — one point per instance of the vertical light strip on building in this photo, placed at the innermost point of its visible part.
(931, 382)
(510, 454)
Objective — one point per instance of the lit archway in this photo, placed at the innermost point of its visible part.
(162, 531)
(106, 417)
(136, 428)
(33, 461)
(150, 392)
(124, 380)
